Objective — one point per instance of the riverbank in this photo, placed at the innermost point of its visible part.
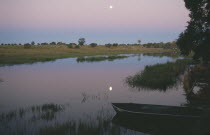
(41, 53)
(197, 85)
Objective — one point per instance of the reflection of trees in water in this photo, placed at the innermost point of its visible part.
(93, 97)
(43, 112)
(173, 55)
(197, 85)
(51, 119)
(25, 121)
(139, 57)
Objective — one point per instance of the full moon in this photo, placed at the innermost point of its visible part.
(110, 6)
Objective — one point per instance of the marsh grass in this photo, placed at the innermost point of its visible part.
(12, 115)
(40, 112)
(46, 111)
(19, 122)
(100, 127)
(159, 76)
(100, 58)
(41, 53)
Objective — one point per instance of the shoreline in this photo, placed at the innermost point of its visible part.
(10, 55)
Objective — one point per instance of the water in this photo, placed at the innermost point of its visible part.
(82, 91)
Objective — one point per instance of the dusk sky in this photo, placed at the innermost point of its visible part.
(24, 21)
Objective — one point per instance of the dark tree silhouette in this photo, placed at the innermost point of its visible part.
(81, 41)
(27, 46)
(93, 44)
(53, 43)
(196, 38)
(32, 43)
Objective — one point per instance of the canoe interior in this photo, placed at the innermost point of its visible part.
(160, 109)
(167, 125)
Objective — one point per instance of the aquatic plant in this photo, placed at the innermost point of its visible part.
(29, 121)
(159, 76)
(99, 127)
(99, 58)
(46, 111)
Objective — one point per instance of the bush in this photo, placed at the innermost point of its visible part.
(27, 46)
(44, 43)
(32, 43)
(73, 44)
(115, 44)
(60, 43)
(108, 45)
(77, 46)
(69, 46)
(53, 43)
(81, 41)
(93, 44)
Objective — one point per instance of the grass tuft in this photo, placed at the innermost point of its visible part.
(159, 76)
(99, 58)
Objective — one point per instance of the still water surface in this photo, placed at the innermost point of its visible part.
(67, 97)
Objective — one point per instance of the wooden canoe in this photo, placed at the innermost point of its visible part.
(163, 125)
(161, 110)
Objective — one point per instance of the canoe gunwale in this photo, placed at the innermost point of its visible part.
(121, 110)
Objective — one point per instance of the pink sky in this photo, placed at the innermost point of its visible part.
(94, 15)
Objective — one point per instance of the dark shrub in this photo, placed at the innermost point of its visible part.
(81, 41)
(115, 44)
(27, 46)
(69, 46)
(73, 44)
(77, 46)
(108, 45)
(32, 43)
(53, 43)
(44, 43)
(93, 44)
(60, 43)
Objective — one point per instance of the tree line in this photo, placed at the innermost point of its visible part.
(82, 41)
